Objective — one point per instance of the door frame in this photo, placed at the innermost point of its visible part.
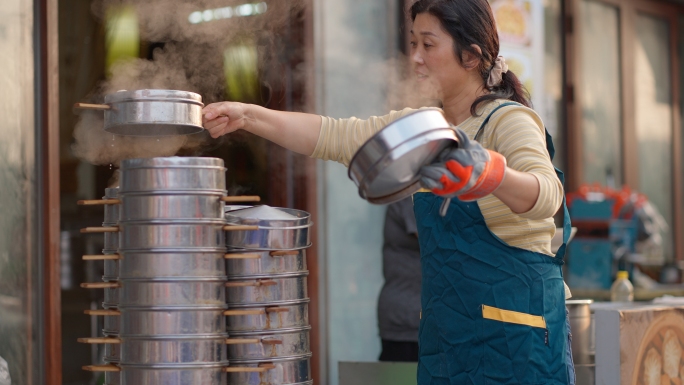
(48, 191)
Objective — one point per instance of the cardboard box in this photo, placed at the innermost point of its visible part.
(639, 344)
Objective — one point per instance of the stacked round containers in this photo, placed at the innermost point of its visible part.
(168, 293)
(111, 274)
(171, 297)
(267, 296)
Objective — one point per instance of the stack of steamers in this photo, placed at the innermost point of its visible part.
(196, 291)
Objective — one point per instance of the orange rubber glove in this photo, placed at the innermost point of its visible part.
(468, 172)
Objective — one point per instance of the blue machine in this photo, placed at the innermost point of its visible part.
(602, 245)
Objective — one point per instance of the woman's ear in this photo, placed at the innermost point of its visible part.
(471, 60)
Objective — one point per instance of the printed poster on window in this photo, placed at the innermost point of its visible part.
(521, 36)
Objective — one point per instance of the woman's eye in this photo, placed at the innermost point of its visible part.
(413, 44)
(426, 45)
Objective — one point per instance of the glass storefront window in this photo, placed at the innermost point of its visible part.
(553, 78)
(681, 100)
(653, 93)
(19, 286)
(600, 85)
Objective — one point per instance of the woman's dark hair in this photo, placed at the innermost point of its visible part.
(472, 22)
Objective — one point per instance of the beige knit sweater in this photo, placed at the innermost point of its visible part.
(516, 132)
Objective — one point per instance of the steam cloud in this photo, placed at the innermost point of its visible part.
(191, 60)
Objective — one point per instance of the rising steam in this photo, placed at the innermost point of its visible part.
(191, 60)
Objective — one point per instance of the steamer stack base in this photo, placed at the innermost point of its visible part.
(198, 292)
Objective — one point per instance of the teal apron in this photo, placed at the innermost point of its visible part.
(491, 313)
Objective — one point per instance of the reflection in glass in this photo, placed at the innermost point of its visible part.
(681, 100)
(654, 115)
(600, 85)
(553, 78)
(18, 319)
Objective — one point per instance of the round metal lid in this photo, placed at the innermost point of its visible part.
(386, 168)
(172, 162)
(154, 95)
(227, 208)
(268, 217)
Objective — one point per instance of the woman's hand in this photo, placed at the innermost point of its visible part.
(467, 171)
(293, 130)
(470, 172)
(224, 117)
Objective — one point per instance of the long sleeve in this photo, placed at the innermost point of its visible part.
(519, 135)
(341, 138)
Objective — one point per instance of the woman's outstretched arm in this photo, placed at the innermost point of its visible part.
(295, 131)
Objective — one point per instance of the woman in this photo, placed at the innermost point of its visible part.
(493, 298)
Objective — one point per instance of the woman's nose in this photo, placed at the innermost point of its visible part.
(416, 57)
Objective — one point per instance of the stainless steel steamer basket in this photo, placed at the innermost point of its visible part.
(111, 211)
(112, 325)
(270, 290)
(287, 371)
(233, 207)
(151, 112)
(583, 331)
(111, 298)
(111, 240)
(112, 378)
(171, 264)
(386, 167)
(273, 234)
(177, 375)
(111, 270)
(161, 205)
(241, 263)
(196, 293)
(111, 243)
(179, 174)
(172, 351)
(174, 322)
(112, 353)
(287, 315)
(177, 235)
(270, 344)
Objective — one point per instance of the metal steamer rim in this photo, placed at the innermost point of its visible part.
(281, 303)
(296, 274)
(154, 95)
(217, 365)
(258, 215)
(223, 278)
(271, 331)
(261, 250)
(298, 357)
(422, 134)
(394, 155)
(173, 337)
(175, 162)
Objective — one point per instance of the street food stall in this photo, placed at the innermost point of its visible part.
(301, 64)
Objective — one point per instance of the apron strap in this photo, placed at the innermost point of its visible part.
(567, 226)
(484, 123)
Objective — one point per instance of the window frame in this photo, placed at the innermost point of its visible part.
(627, 11)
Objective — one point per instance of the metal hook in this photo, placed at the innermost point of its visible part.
(444, 207)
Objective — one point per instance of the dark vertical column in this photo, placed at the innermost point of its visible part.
(47, 130)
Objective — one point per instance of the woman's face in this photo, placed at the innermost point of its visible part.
(439, 72)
